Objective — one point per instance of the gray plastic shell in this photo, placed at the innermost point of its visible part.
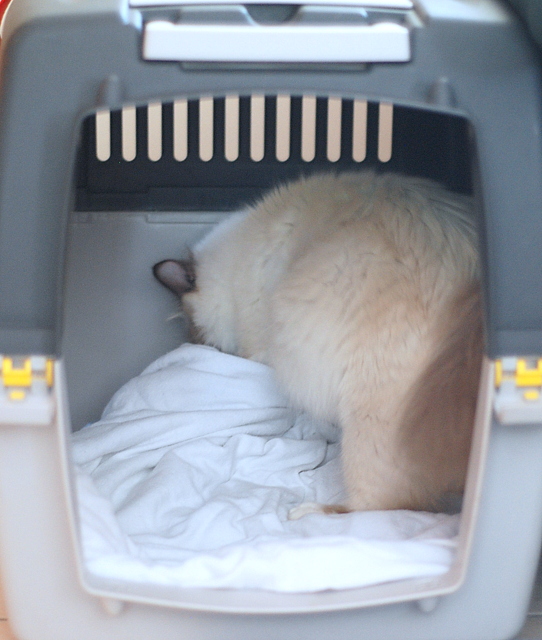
(62, 62)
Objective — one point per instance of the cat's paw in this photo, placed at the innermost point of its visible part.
(305, 508)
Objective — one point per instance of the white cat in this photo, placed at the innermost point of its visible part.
(362, 292)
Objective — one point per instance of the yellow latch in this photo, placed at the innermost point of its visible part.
(529, 377)
(16, 376)
(23, 376)
(523, 374)
(518, 394)
(49, 376)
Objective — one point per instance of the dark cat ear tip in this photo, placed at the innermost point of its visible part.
(157, 267)
(176, 275)
(167, 266)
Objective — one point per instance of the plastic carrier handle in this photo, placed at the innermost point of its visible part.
(381, 42)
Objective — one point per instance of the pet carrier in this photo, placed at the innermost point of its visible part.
(127, 130)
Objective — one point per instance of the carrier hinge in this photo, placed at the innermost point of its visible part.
(518, 383)
(27, 390)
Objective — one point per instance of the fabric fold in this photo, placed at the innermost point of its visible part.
(189, 476)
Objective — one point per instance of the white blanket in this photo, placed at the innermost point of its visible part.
(189, 476)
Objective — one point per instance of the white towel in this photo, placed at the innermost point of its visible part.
(189, 476)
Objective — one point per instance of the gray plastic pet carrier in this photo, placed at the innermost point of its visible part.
(127, 130)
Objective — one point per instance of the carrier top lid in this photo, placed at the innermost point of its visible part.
(379, 43)
(230, 32)
(377, 4)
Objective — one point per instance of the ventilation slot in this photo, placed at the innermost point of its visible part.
(216, 153)
(283, 123)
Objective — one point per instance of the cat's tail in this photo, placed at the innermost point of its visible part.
(439, 414)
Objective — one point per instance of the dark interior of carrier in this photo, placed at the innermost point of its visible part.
(151, 180)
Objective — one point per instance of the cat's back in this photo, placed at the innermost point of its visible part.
(308, 209)
(311, 207)
(406, 218)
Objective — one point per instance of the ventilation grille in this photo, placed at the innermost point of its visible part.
(217, 153)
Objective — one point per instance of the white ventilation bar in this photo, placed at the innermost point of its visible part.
(206, 129)
(206, 147)
(129, 133)
(257, 127)
(231, 128)
(180, 130)
(103, 135)
(154, 128)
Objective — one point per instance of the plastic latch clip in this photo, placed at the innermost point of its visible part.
(518, 384)
(26, 395)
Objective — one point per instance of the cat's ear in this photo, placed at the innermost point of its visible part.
(177, 275)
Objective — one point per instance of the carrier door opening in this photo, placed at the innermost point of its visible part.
(152, 181)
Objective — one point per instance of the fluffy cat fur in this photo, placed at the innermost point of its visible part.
(362, 292)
